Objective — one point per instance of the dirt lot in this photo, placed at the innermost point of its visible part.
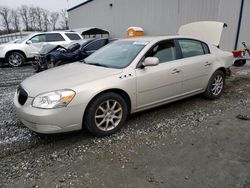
(191, 143)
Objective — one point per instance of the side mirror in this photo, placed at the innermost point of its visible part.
(151, 61)
(28, 42)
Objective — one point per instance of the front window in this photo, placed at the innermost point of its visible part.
(96, 45)
(24, 38)
(38, 38)
(117, 54)
(165, 51)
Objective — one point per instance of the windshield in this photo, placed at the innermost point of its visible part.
(118, 54)
(81, 42)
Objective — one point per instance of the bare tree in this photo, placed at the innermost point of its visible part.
(5, 12)
(53, 19)
(24, 13)
(64, 19)
(39, 18)
(32, 18)
(46, 23)
(15, 20)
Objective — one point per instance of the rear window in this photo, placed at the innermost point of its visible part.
(53, 37)
(191, 48)
(73, 36)
(205, 48)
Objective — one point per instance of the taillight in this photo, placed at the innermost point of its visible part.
(238, 53)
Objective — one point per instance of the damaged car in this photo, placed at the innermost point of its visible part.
(17, 53)
(55, 55)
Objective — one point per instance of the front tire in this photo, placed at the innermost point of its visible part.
(215, 85)
(36, 67)
(60, 62)
(51, 63)
(106, 114)
(15, 59)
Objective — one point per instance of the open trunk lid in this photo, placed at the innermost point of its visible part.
(209, 31)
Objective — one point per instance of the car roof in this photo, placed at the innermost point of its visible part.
(157, 38)
(60, 32)
(81, 40)
(35, 33)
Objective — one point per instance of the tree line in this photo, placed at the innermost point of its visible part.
(30, 18)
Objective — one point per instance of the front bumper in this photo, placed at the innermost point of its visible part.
(49, 121)
(39, 63)
(2, 61)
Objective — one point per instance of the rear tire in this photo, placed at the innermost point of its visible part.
(15, 59)
(215, 85)
(106, 114)
(239, 63)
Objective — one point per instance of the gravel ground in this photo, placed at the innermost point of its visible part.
(190, 143)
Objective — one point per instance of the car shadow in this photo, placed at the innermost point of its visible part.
(8, 66)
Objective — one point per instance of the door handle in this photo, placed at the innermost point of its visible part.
(175, 71)
(207, 64)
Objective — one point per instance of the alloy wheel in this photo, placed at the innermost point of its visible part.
(15, 60)
(217, 85)
(108, 115)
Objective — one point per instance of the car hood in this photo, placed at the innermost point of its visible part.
(12, 45)
(49, 48)
(65, 77)
(209, 31)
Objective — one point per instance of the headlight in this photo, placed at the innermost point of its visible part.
(37, 58)
(54, 99)
(2, 47)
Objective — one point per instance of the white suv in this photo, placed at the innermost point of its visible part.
(15, 54)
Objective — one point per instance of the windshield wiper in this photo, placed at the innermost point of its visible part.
(98, 64)
(83, 61)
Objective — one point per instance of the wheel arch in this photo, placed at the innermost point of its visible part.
(227, 72)
(19, 51)
(120, 92)
(207, 93)
(48, 57)
(222, 69)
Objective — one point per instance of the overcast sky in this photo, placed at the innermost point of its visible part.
(52, 5)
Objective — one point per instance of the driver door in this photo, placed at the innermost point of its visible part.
(160, 83)
(34, 44)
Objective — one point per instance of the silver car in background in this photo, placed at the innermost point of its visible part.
(124, 77)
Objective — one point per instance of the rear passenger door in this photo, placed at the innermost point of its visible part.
(196, 65)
